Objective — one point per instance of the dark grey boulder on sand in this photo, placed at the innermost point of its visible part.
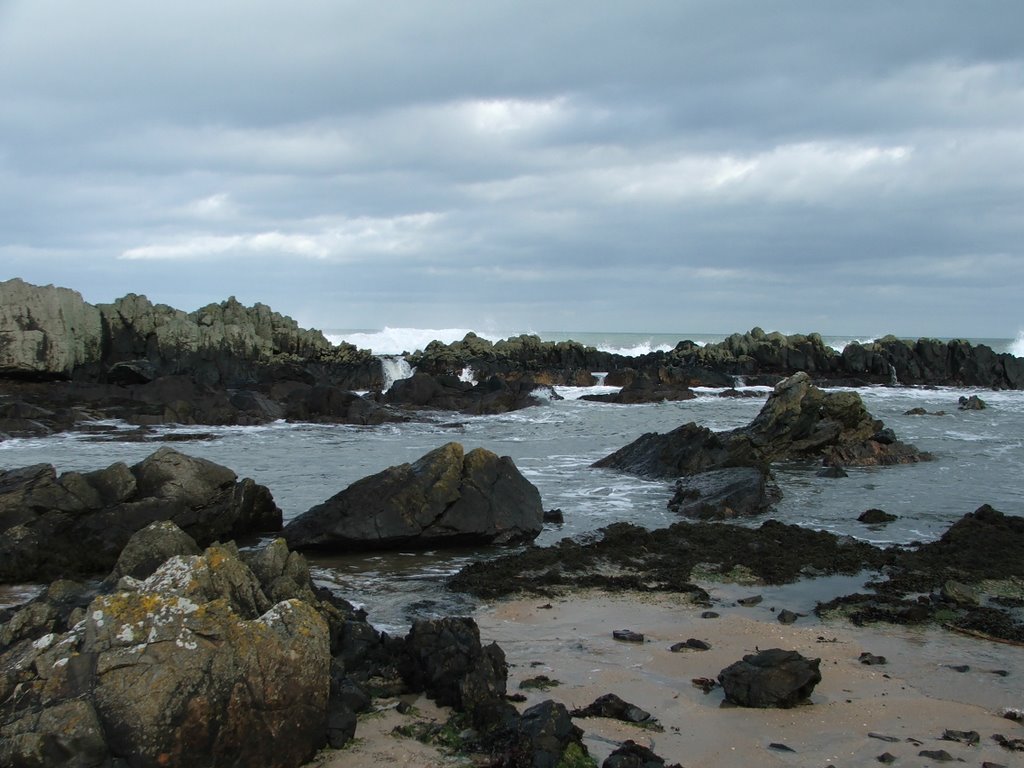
(771, 678)
(446, 497)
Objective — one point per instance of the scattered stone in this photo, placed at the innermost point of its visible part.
(709, 615)
(692, 644)
(787, 616)
(871, 659)
(1014, 745)
(883, 737)
(706, 684)
(971, 738)
(749, 602)
(940, 755)
(781, 747)
(628, 636)
(770, 678)
(961, 668)
(1012, 713)
(876, 517)
(538, 683)
(886, 757)
(611, 706)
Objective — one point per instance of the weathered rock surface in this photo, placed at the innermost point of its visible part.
(192, 665)
(78, 523)
(446, 497)
(449, 393)
(724, 494)
(798, 422)
(644, 389)
(771, 678)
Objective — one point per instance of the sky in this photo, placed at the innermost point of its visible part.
(677, 166)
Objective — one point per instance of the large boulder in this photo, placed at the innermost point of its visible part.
(78, 523)
(193, 665)
(770, 678)
(799, 421)
(449, 393)
(446, 497)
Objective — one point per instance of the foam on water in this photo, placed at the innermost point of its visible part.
(395, 341)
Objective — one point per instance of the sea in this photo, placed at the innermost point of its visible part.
(979, 459)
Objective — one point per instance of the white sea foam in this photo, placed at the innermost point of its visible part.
(643, 348)
(395, 341)
(840, 344)
(1017, 347)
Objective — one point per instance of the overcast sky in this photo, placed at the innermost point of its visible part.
(845, 167)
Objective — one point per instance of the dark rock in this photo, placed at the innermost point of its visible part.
(445, 658)
(780, 747)
(611, 706)
(723, 494)
(446, 497)
(150, 548)
(771, 678)
(798, 421)
(875, 517)
(887, 758)
(787, 616)
(77, 523)
(709, 615)
(554, 516)
(548, 737)
(750, 602)
(1013, 745)
(629, 754)
(972, 403)
(706, 684)
(644, 389)
(884, 737)
(940, 755)
(692, 644)
(871, 659)
(971, 738)
(628, 636)
(448, 392)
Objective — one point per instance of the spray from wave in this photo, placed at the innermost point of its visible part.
(1017, 347)
(395, 341)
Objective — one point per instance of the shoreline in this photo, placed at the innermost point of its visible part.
(913, 698)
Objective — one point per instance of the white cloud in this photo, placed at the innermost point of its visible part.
(342, 240)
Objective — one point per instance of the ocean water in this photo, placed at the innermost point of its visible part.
(979, 459)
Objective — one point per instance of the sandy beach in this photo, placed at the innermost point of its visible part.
(920, 692)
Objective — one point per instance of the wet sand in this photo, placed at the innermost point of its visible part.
(913, 698)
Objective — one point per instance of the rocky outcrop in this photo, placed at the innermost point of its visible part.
(78, 523)
(193, 664)
(798, 422)
(771, 678)
(449, 393)
(549, 363)
(644, 389)
(46, 332)
(446, 497)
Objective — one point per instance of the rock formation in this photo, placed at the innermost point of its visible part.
(771, 678)
(78, 523)
(799, 421)
(446, 497)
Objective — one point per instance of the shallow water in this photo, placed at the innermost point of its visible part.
(979, 457)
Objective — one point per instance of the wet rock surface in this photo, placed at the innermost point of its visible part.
(798, 422)
(78, 523)
(723, 494)
(446, 497)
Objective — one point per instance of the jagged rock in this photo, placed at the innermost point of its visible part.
(799, 421)
(447, 496)
(644, 389)
(445, 658)
(149, 548)
(771, 678)
(549, 738)
(78, 523)
(191, 665)
(723, 494)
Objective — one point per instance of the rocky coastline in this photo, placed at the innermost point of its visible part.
(180, 624)
(66, 364)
